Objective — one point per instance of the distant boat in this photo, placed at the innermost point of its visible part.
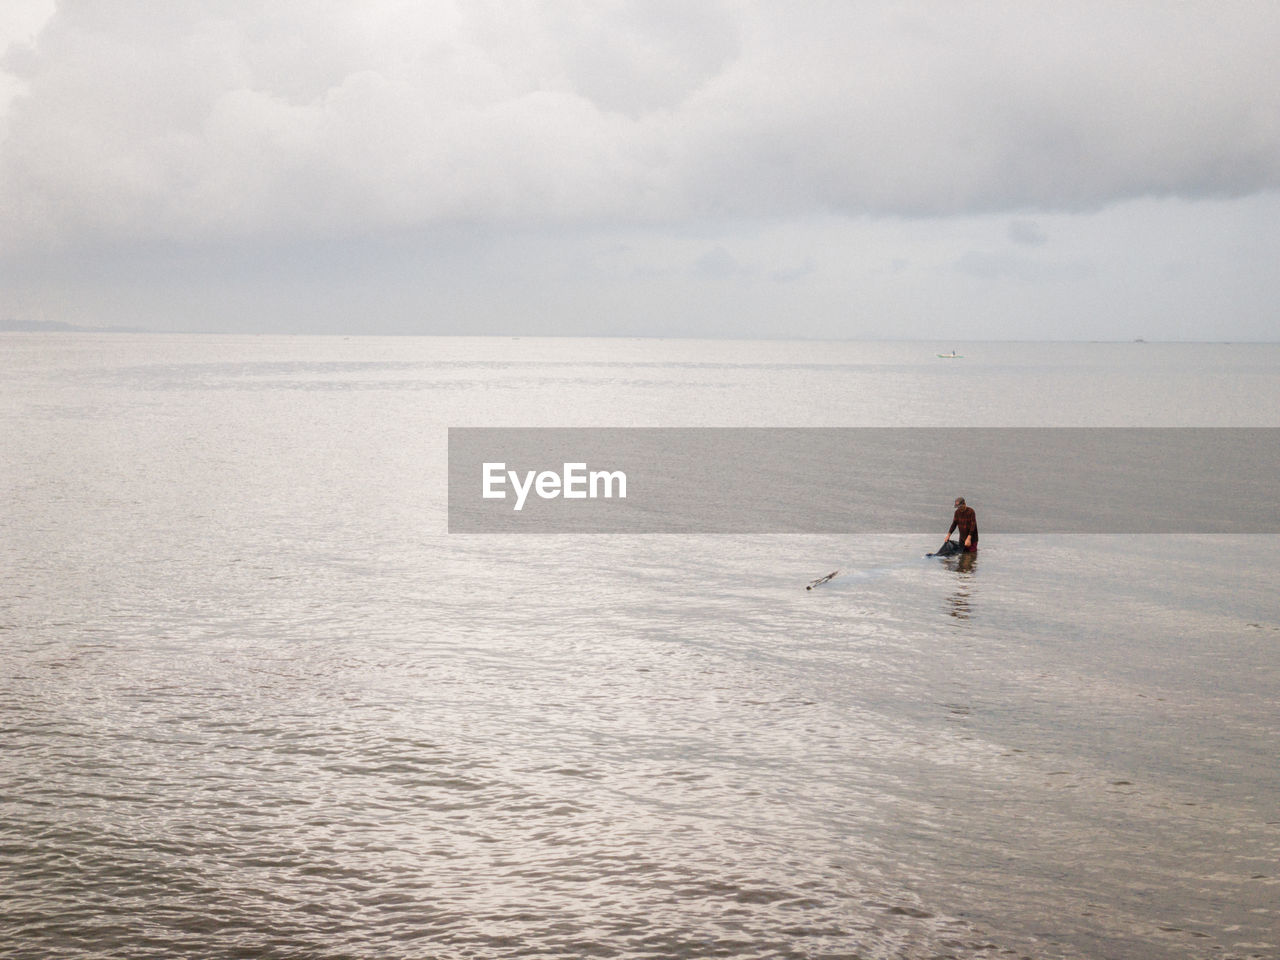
(950, 356)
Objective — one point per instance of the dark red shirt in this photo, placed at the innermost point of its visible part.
(966, 522)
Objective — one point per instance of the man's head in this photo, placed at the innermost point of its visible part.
(959, 501)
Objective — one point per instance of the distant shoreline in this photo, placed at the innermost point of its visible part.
(58, 326)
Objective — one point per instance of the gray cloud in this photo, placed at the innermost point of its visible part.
(719, 264)
(1003, 266)
(1027, 233)
(194, 120)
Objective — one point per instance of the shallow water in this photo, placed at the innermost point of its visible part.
(258, 704)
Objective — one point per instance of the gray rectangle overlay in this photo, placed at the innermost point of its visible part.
(865, 480)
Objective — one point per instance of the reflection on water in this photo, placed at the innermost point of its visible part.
(964, 565)
(257, 704)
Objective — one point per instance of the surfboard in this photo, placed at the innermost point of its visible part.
(821, 580)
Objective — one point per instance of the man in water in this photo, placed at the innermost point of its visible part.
(965, 522)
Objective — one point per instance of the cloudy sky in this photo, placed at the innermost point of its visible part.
(748, 168)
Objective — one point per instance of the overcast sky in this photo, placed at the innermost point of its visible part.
(955, 170)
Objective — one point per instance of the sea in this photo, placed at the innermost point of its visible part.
(258, 702)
